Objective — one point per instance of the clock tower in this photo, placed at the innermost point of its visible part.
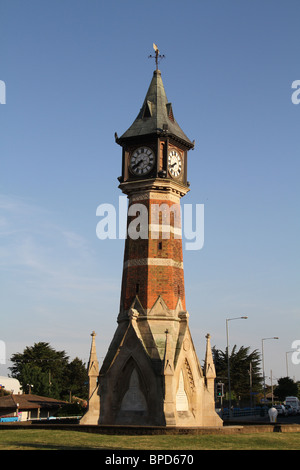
(151, 374)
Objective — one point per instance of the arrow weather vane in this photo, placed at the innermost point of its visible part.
(157, 55)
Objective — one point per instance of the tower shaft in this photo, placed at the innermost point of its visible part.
(153, 262)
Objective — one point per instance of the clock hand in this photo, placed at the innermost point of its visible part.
(137, 164)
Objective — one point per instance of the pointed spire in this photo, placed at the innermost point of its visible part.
(93, 365)
(156, 115)
(168, 359)
(209, 367)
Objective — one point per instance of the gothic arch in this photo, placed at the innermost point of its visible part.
(130, 391)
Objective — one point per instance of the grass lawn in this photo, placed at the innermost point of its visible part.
(47, 439)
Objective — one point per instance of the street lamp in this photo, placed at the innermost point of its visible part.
(286, 361)
(228, 361)
(262, 357)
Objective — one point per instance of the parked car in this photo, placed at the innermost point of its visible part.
(294, 402)
(290, 410)
(281, 410)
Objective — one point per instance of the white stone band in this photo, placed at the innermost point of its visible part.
(153, 262)
(154, 195)
(164, 229)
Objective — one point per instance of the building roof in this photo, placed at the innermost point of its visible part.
(156, 115)
(28, 402)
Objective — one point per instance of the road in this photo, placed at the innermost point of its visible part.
(264, 419)
(288, 419)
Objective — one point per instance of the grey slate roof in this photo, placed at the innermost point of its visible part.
(155, 114)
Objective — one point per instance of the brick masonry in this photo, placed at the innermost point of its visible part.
(154, 266)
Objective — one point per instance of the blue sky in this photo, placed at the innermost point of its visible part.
(76, 71)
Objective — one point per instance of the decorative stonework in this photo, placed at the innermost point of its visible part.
(153, 262)
(189, 374)
(159, 186)
(182, 403)
(160, 196)
(153, 350)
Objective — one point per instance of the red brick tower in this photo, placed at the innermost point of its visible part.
(151, 374)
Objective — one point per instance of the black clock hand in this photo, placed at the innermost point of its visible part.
(137, 164)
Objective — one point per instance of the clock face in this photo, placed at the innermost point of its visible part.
(142, 161)
(174, 163)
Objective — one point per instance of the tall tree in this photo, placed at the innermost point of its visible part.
(76, 379)
(47, 372)
(286, 388)
(244, 370)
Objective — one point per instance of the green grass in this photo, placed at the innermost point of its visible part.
(47, 439)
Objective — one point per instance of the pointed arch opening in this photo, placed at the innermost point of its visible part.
(131, 389)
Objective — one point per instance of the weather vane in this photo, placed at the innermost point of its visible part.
(157, 56)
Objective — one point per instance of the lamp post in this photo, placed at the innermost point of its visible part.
(228, 361)
(286, 361)
(263, 364)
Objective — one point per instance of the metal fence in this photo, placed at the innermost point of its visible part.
(236, 412)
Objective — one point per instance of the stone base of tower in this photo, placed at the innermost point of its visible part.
(151, 375)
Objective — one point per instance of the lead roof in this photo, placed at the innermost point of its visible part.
(156, 115)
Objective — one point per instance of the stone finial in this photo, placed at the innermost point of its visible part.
(209, 367)
(168, 358)
(93, 365)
